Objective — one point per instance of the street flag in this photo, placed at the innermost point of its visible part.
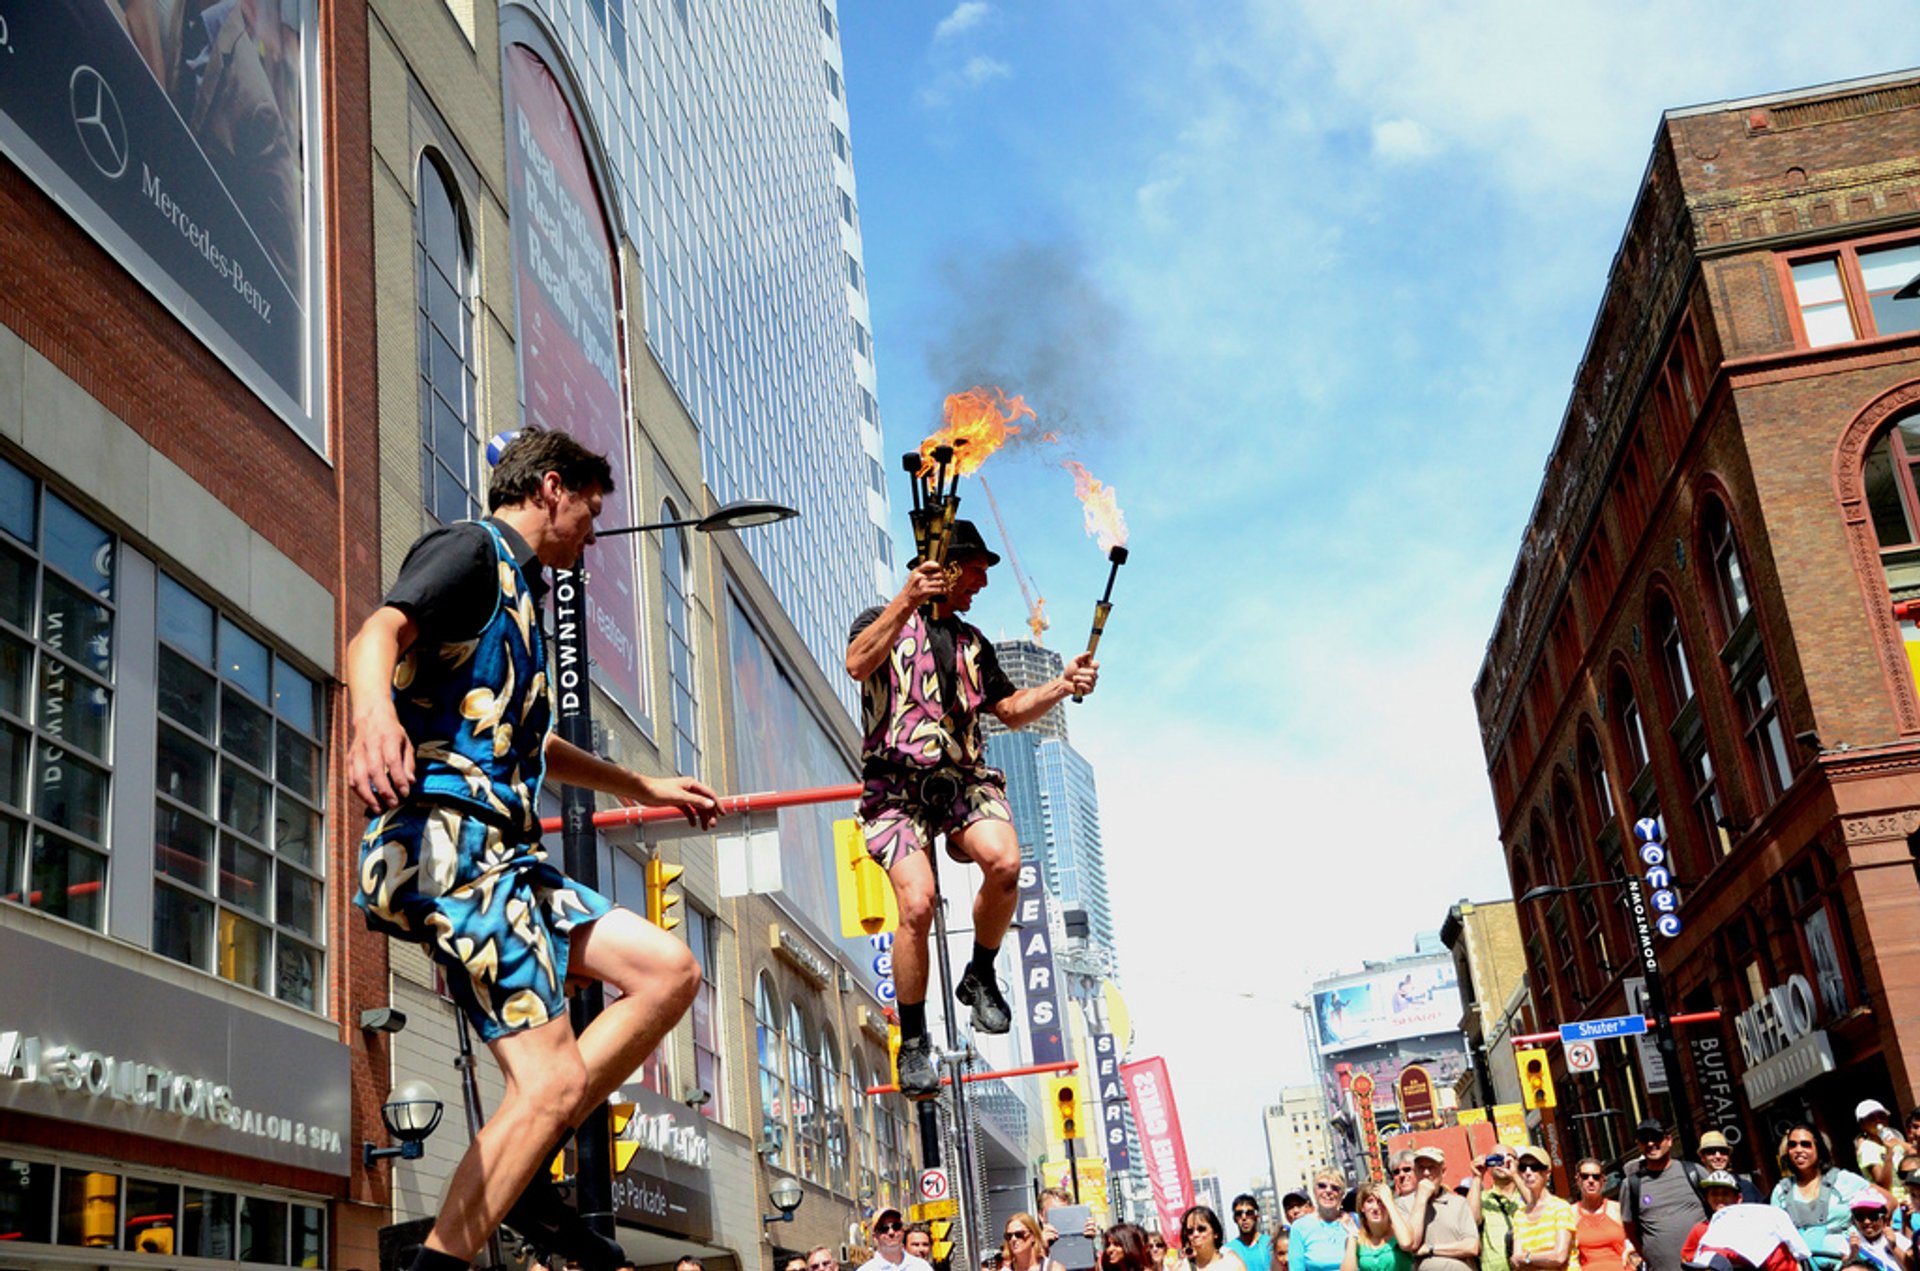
(1150, 1092)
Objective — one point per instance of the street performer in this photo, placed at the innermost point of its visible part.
(452, 714)
(924, 682)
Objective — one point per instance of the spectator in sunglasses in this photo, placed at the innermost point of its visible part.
(890, 1245)
(1599, 1235)
(1815, 1193)
(1400, 1170)
(1543, 1231)
(1660, 1197)
(1022, 1248)
(1205, 1241)
(1318, 1241)
(1717, 1154)
(1246, 1243)
(1500, 1200)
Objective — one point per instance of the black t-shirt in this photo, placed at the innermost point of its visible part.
(995, 686)
(448, 584)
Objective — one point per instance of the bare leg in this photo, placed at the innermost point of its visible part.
(912, 877)
(657, 978)
(995, 848)
(545, 1078)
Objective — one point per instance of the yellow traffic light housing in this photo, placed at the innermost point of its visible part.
(867, 907)
(1536, 1076)
(1063, 1107)
(661, 876)
(942, 1229)
(618, 1114)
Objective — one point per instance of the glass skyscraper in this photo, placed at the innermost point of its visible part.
(725, 126)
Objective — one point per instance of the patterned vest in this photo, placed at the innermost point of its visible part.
(478, 710)
(907, 721)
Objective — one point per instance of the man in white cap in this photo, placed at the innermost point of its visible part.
(1717, 1154)
(890, 1245)
(1446, 1233)
(1878, 1145)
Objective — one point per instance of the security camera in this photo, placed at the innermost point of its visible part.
(382, 1019)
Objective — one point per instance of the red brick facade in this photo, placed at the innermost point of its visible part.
(1700, 406)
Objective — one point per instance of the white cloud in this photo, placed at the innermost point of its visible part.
(1402, 140)
(965, 16)
(982, 70)
(968, 77)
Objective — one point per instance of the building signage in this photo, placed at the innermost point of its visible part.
(1779, 1043)
(165, 1062)
(792, 950)
(667, 1185)
(1036, 966)
(190, 166)
(1408, 1001)
(1113, 1102)
(1652, 1065)
(1719, 1105)
(569, 327)
(1665, 901)
(1789, 1069)
(1150, 1092)
(1369, 1127)
(1416, 1095)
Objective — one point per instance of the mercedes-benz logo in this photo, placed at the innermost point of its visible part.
(96, 117)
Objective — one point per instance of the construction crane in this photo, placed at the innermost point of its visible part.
(1036, 605)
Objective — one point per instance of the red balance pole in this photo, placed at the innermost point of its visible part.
(1697, 1017)
(730, 805)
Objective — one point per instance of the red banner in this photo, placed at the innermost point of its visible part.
(1150, 1091)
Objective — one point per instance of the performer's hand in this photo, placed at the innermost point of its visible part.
(380, 761)
(1082, 674)
(700, 805)
(925, 582)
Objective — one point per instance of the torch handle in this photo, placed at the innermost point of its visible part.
(1100, 611)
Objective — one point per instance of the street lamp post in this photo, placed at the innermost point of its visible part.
(1664, 1038)
(593, 1166)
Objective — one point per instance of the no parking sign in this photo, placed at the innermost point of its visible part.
(1582, 1057)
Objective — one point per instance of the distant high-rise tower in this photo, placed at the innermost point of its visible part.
(1028, 664)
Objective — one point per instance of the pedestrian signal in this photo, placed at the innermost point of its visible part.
(1063, 1106)
(867, 906)
(942, 1229)
(1536, 1077)
(618, 1114)
(661, 876)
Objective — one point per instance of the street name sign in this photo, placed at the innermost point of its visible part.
(1588, 1030)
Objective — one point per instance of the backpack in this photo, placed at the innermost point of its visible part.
(1630, 1191)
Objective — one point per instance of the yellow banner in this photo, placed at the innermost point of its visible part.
(1472, 1116)
(1093, 1183)
(1510, 1119)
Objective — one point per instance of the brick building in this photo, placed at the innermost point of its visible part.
(1700, 626)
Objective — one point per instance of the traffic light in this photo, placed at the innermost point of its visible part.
(661, 876)
(1063, 1106)
(893, 1052)
(1536, 1077)
(867, 906)
(942, 1229)
(618, 1114)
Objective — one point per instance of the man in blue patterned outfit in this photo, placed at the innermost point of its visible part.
(451, 739)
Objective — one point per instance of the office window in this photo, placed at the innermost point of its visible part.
(833, 83)
(240, 887)
(708, 1072)
(1632, 733)
(803, 1076)
(1848, 294)
(773, 1084)
(1729, 580)
(833, 1112)
(1765, 733)
(1888, 475)
(1676, 671)
(58, 623)
(838, 139)
(674, 589)
(451, 480)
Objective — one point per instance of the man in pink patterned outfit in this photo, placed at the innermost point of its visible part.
(924, 683)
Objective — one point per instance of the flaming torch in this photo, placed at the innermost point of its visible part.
(1108, 526)
(977, 423)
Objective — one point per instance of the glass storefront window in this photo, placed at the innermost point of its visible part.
(153, 1216)
(89, 1208)
(26, 1202)
(209, 1224)
(263, 1230)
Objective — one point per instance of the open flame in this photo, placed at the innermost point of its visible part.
(978, 422)
(1037, 621)
(1103, 517)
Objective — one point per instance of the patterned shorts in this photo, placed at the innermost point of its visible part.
(491, 911)
(898, 822)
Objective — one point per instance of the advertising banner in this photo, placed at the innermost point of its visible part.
(1510, 1119)
(1036, 969)
(663, 1165)
(1416, 1096)
(1150, 1092)
(565, 272)
(1399, 1003)
(1092, 1184)
(1113, 1101)
(1369, 1127)
(180, 142)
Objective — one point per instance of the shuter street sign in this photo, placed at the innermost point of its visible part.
(1592, 1030)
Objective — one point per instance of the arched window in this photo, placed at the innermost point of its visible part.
(1540, 846)
(1593, 778)
(1890, 482)
(1676, 672)
(1632, 731)
(1729, 580)
(773, 1085)
(443, 270)
(674, 589)
(803, 1072)
(833, 1112)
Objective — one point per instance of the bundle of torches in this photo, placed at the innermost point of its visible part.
(979, 422)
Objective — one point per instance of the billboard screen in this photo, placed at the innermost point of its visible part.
(565, 271)
(178, 135)
(1401, 1002)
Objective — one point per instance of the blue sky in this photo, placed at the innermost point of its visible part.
(1307, 285)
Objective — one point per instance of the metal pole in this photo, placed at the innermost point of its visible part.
(1662, 1018)
(593, 1164)
(1073, 1169)
(956, 1060)
(476, 1116)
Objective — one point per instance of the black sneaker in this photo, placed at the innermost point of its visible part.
(918, 1079)
(991, 1014)
(544, 1220)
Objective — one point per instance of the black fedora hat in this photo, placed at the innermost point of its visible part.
(966, 541)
